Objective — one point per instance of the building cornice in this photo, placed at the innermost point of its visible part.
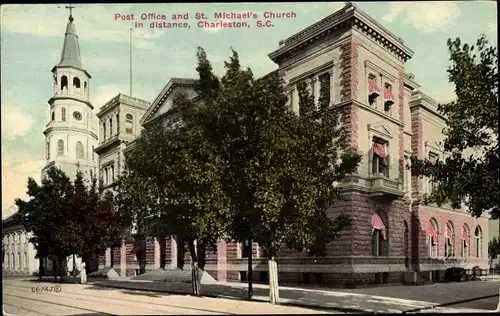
(69, 97)
(71, 67)
(123, 99)
(349, 16)
(421, 100)
(68, 129)
(107, 143)
(165, 92)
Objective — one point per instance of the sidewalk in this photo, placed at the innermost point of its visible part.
(309, 298)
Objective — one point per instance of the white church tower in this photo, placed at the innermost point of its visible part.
(71, 134)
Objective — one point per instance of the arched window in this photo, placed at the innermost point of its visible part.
(25, 260)
(53, 116)
(13, 265)
(117, 123)
(63, 114)
(449, 240)
(8, 261)
(479, 242)
(464, 251)
(79, 150)
(432, 238)
(60, 148)
(64, 83)
(48, 149)
(129, 123)
(19, 260)
(110, 127)
(104, 131)
(379, 237)
(76, 83)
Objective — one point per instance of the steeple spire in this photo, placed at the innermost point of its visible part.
(70, 7)
(71, 49)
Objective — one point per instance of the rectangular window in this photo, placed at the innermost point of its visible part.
(373, 90)
(112, 173)
(245, 249)
(388, 99)
(380, 159)
(104, 131)
(325, 89)
(106, 179)
(433, 158)
(407, 174)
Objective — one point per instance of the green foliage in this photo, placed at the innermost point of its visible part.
(494, 248)
(238, 163)
(279, 168)
(68, 217)
(472, 127)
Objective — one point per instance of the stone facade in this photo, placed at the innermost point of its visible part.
(18, 253)
(390, 233)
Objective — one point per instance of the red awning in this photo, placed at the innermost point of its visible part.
(431, 232)
(373, 89)
(388, 96)
(379, 150)
(377, 223)
(465, 235)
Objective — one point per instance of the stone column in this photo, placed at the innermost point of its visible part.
(123, 260)
(315, 90)
(173, 252)
(332, 87)
(108, 255)
(22, 239)
(156, 253)
(295, 98)
(222, 261)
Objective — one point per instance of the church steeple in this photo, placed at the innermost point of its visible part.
(71, 49)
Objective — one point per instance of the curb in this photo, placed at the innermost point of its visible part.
(284, 302)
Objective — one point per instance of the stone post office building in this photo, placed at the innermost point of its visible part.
(394, 237)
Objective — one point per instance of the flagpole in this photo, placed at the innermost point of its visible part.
(131, 62)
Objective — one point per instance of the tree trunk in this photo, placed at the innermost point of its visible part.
(163, 254)
(250, 270)
(74, 265)
(41, 268)
(273, 281)
(195, 278)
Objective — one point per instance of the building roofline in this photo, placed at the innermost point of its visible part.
(165, 92)
(359, 20)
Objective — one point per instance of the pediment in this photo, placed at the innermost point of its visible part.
(164, 100)
(436, 146)
(381, 128)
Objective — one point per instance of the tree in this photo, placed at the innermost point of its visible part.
(41, 214)
(470, 173)
(68, 218)
(280, 168)
(494, 248)
(173, 178)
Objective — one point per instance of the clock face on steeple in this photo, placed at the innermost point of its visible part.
(77, 115)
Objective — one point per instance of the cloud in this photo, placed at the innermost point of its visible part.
(93, 23)
(15, 122)
(425, 16)
(16, 169)
(105, 93)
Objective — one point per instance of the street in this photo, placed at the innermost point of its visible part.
(77, 299)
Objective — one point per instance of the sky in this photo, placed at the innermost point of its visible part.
(32, 37)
